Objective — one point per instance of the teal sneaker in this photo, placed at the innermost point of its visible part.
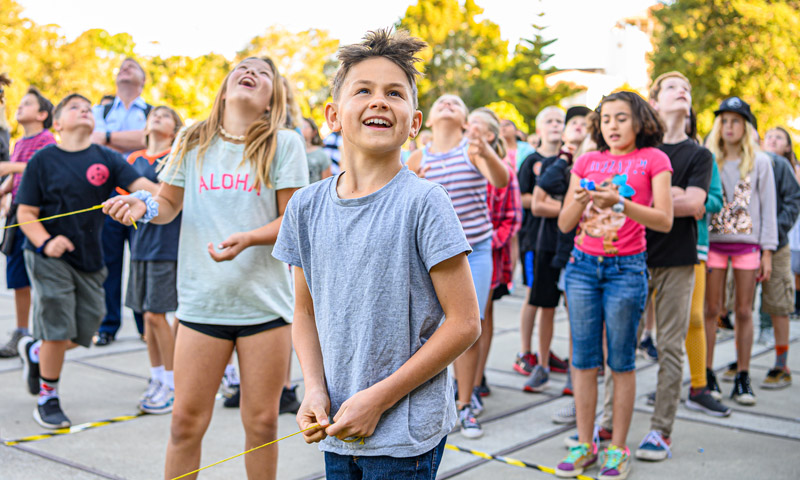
(616, 464)
(581, 457)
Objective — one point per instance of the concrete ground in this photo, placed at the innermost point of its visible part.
(102, 383)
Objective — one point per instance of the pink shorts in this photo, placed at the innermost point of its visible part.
(745, 261)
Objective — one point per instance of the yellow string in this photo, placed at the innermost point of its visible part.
(245, 452)
(96, 207)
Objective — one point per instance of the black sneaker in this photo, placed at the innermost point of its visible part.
(30, 369)
(483, 389)
(103, 338)
(651, 399)
(289, 403)
(742, 391)
(702, 401)
(712, 385)
(724, 321)
(233, 400)
(50, 415)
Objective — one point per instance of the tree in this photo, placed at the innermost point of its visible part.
(747, 48)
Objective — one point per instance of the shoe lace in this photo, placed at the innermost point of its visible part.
(745, 385)
(655, 438)
(577, 452)
(613, 457)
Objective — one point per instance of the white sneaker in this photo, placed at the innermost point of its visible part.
(230, 384)
(152, 388)
(160, 402)
(566, 415)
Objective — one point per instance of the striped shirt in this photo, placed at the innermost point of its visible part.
(466, 187)
(24, 150)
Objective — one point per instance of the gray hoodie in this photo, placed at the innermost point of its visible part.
(749, 213)
(787, 194)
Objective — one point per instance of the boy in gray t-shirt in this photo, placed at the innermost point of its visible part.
(380, 259)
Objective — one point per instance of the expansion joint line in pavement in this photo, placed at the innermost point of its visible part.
(73, 429)
(510, 461)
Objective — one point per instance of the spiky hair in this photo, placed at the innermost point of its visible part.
(399, 47)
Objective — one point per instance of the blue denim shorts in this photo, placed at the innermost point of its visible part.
(481, 265)
(347, 467)
(608, 291)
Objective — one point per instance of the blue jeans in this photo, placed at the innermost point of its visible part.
(481, 265)
(605, 292)
(346, 467)
(114, 237)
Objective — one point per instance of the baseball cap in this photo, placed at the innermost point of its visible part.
(576, 111)
(736, 105)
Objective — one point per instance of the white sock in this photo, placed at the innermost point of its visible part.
(230, 374)
(34, 351)
(157, 373)
(169, 379)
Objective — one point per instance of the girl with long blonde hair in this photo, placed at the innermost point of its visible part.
(744, 231)
(232, 176)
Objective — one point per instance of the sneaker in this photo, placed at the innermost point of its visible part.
(160, 402)
(289, 403)
(538, 381)
(233, 400)
(704, 402)
(230, 384)
(483, 388)
(102, 339)
(766, 337)
(730, 373)
(470, 428)
(567, 390)
(50, 415)
(742, 391)
(580, 457)
(724, 321)
(712, 385)
(647, 348)
(30, 369)
(475, 402)
(616, 464)
(9, 350)
(655, 447)
(525, 363)
(557, 365)
(152, 388)
(651, 399)
(601, 437)
(566, 415)
(777, 378)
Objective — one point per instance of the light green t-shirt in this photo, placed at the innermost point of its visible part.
(219, 200)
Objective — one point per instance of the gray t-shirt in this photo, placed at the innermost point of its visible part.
(367, 263)
(318, 161)
(219, 199)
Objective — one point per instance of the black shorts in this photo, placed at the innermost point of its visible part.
(545, 292)
(232, 332)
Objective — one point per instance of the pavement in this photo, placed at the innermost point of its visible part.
(104, 383)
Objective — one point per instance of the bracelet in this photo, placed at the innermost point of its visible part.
(149, 202)
(108, 138)
(40, 249)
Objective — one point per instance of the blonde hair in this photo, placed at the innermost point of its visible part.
(456, 99)
(293, 113)
(261, 137)
(491, 120)
(747, 146)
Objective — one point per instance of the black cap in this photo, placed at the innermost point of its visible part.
(576, 111)
(737, 105)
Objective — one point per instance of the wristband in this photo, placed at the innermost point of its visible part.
(149, 202)
(108, 138)
(40, 249)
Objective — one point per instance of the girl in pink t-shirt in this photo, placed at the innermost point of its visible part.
(614, 193)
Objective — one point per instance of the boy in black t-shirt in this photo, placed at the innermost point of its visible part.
(64, 256)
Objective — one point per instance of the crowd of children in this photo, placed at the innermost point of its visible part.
(250, 232)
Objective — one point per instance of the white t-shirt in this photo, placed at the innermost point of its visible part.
(219, 200)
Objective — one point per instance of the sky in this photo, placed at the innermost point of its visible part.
(183, 27)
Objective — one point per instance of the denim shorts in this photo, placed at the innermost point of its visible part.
(347, 467)
(481, 265)
(610, 291)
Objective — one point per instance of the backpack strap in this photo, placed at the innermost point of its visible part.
(107, 109)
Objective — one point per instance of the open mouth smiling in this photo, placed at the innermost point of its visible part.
(248, 82)
(378, 123)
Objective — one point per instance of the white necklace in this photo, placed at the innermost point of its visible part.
(235, 138)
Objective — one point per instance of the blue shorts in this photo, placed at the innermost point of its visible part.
(16, 276)
(481, 265)
(347, 467)
(610, 292)
(527, 268)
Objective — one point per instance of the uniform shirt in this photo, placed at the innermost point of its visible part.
(119, 118)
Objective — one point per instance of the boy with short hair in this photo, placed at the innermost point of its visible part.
(376, 358)
(35, 115)
(63, 256)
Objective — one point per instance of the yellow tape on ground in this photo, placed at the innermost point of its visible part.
(73, 429)
(511, 461)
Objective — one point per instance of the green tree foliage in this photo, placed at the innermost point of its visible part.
(747, 48)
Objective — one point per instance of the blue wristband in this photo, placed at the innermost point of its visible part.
(149, 202)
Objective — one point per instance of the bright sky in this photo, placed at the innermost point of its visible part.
(183, 27)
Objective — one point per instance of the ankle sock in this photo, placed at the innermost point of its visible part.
(157, 373)
(169, 379)
(34, 351)
(47, 389)
(781, 355)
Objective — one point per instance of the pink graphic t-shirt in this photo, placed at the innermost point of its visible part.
(602, 232)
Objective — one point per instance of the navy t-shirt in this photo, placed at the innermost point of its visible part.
(153, 242)
(57, 181)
